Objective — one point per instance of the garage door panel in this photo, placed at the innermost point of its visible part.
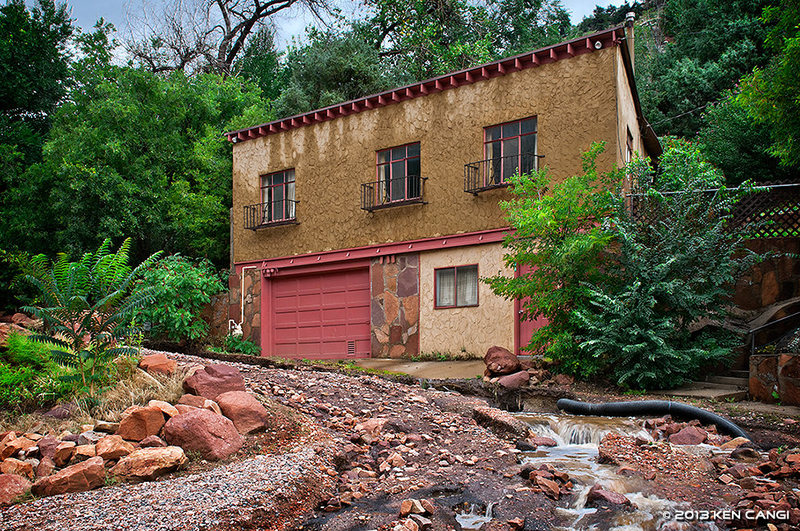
(322, 316)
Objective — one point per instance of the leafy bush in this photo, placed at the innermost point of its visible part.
(655, 322)
(181, 288)
(241, 345)
(28, 377)
(558, 237)
(87, 307)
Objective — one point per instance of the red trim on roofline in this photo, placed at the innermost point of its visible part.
(314, 262)
(549, 54)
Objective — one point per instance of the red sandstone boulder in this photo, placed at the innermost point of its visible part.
(75, 478)
(158, 364)
(542, 441)
(140, 423)
(213, 436)
(12, 487)
(501, 361)
(149, 463)
(166, 408)
(11, 445)
(515, 380)
(15, 466)
(153, 441)
(689, 435)
(247, 413)
(47, 446)
(45, 467)
(199, 401)
(63, 453)
(604, 498)
(214, 380)
(113, 447)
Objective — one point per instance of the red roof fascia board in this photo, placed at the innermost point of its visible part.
(371, 251)
(452, 80)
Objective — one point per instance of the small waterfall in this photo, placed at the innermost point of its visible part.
(576, 453)
(474, 520)
(581, 430)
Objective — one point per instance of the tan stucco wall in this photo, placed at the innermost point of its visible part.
(473, 329)
(573, 98)
(626, 113)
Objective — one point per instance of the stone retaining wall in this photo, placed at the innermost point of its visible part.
(778, 374)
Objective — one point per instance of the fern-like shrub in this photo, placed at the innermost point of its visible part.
(655, 323)
(181, 288)
(87, 307)
(558, 245)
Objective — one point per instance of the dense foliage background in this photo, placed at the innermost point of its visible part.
(106, 139)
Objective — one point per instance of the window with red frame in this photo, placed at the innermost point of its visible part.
(456, 287)
(399, 173)
(509, 148)
(277, 196)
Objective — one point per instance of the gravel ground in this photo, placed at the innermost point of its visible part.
(370, 444)
(229, 493)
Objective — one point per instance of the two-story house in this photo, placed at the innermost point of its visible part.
(363, 229)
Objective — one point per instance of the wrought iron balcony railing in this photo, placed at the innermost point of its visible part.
(387, 193)
(270, 214)
(496, 172)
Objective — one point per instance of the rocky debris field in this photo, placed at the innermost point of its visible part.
(300, 448)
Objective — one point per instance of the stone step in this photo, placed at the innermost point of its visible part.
(739, 374)
(707, 390)
(729, 380)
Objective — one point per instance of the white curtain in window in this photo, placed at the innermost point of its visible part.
(445, 287)
(467, 286)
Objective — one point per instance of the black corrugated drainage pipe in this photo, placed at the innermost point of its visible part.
(649, 408)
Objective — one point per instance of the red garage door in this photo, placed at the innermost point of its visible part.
(322, 315)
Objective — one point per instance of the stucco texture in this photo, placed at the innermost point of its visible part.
(473, 329)
(626, 113)
(574, 100)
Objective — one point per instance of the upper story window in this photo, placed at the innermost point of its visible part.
(398, 173)
(456, 287)
(277, 196)
(398, 179)
(509, 148)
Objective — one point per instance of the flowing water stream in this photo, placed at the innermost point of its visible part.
(576, 453)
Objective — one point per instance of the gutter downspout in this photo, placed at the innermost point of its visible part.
(233, 327)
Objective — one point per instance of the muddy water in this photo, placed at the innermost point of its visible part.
(578, 439)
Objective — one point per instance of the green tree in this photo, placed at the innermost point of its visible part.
(331, 68)
(611, 15)
(559, 239)
(738, 145)
(523, 25)
(33, 73)
(772, 93)
(261, 64)
(654, 322)
(431, 37)
(136, 153)
(710, 45)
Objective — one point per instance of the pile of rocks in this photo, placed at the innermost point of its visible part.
(546, 479)
(767, 481)
(413, 516)
(684, 433)
(149, 441)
